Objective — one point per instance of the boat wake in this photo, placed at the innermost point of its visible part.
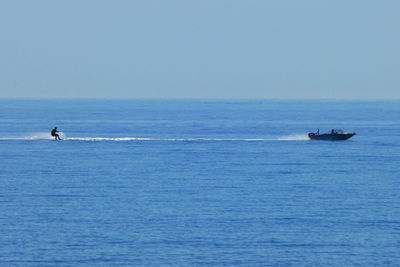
(159, 139)
(46, 136)
(294, 137)
(37, 136)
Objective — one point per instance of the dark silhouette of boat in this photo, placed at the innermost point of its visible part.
(334, 135)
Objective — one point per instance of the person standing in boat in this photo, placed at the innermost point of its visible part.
(54, 133)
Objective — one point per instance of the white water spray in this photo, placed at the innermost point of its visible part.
(47, 136)
(294, 137)
(36, 136)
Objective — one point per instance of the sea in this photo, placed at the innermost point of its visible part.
(199, 183)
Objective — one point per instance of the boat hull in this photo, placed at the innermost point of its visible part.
(331, 137)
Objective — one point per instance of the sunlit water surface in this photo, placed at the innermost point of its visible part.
(236, 183)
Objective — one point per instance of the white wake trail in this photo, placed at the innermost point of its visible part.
(107, 139)
(294, 137)
(159, 139)
(36, 136)
(47, 136)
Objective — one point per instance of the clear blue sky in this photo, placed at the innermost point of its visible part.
(200, 49)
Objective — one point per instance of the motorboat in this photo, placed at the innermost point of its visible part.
(334, 135)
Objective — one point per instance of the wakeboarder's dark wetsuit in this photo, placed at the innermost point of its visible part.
(54, 133)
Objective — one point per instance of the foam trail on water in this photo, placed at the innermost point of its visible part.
(36, 136)
(294, 137)
(157, 139)
(107, 139)
(47, 136)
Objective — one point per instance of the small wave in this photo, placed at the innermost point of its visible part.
(294, 137)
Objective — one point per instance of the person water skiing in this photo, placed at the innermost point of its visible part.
(54, 133)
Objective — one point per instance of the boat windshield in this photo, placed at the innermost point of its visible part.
(335, 131)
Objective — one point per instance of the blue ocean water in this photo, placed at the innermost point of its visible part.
(199, 182)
